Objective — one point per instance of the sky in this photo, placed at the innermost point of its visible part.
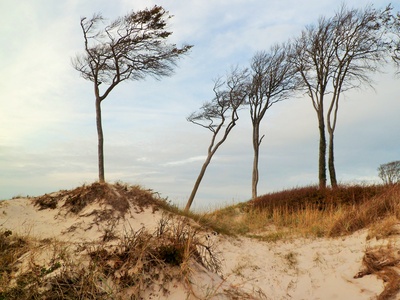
(48, 138)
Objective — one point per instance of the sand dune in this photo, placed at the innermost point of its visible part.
(249, 268)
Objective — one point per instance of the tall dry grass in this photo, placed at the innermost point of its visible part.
(309, 211)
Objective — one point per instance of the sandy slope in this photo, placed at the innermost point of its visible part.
(21, 216)
(300, 269)
(296, 269)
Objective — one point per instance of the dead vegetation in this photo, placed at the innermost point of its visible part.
(309, 212)
(135, 264)
(137, 261)
(383, 262)
(12, 247)
(119, 197)
(121, 265)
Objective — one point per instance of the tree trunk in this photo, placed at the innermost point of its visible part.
(254, 179)
(100, 141)
(322, 151)
(198, 181)
(331, 164)
(256, 147)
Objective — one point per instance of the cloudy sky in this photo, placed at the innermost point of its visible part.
(48, 138)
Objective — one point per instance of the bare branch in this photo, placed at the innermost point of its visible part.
(273, 79)
(394, 38)
(220, 115)
(338, 54)
(128, 48)
(229, 95)
(390, 172)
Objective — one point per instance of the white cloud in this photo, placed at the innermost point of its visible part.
(185, 161)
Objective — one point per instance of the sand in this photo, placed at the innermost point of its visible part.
(319, 268)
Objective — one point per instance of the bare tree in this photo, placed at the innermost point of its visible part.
(337, 55)
(272, 81)
(390, 172)
(360, 49)
(220, 116)
(128, 48)
(312, 58)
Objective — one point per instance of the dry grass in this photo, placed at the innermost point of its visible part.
(133, 264)
(311, 196)
(11, 248)
(140, 260)
(383, 262)
(309, 212)
(385, 228)
(368, 212)
(120, 266)
(118, 197)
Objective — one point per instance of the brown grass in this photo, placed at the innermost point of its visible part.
(118, 197)
(11, 248)
(141, 260)
(383, 262)
(311, 196)
(333, 212)
(368, 212)
(136, 262)
(309, 212)
(385, 228)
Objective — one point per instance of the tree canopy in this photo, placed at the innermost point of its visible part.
(129, 48)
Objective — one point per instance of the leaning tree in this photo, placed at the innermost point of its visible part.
(272, 80)
(219, 116)
(334, 56)
(128, 48)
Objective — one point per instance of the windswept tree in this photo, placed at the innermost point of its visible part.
(272, 81)
(334, 56)
(128, 48)
(390, 172)
(220, 116)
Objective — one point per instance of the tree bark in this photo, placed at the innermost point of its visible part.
(256, 147)
(198, 181)
(254, 179)
(331, 164)
(322, 150)
(100, 137)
